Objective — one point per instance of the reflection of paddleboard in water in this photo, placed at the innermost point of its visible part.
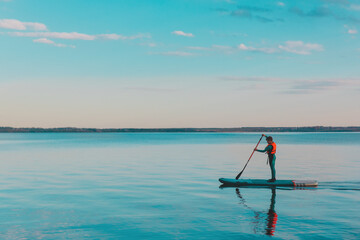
(271, 218)
(263, 182)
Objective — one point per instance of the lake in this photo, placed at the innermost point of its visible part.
(165, 186)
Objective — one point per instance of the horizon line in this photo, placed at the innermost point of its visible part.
(186, 129)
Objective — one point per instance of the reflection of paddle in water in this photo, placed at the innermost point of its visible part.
(271, 216)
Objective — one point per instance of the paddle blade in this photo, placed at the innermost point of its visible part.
(237, 177)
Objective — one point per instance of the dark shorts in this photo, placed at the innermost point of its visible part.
(271, 158)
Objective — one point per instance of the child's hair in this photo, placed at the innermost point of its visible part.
(269, 138)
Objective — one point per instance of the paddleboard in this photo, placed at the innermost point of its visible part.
(263, 182)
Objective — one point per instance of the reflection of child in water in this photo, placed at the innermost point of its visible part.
(272, 216)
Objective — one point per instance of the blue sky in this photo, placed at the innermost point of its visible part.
(179, 63)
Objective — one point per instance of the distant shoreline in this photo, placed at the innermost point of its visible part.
(179, 130)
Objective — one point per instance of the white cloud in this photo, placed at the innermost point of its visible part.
(50, 42)
(221, 47)
(43, 40)
(61, 35)
(76, 35)
(251, 79)
(355, 7)
(294, 85)
(281, 4)
(315, 85)
(350, 30)
(18, 25)
(181, 33)
(243, 47)
(114, 36)
(299, 47)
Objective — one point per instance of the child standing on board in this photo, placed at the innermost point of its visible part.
(270, 150)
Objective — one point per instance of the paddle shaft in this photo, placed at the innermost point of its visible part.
(237, 177)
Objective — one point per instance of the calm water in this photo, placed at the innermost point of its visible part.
(165, 186)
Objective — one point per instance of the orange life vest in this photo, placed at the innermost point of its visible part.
(273, 151)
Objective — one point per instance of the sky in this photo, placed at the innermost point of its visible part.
(179, 63)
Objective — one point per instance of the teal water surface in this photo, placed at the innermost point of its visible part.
(165, 186)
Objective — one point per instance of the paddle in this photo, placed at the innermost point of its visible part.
(237, 177)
